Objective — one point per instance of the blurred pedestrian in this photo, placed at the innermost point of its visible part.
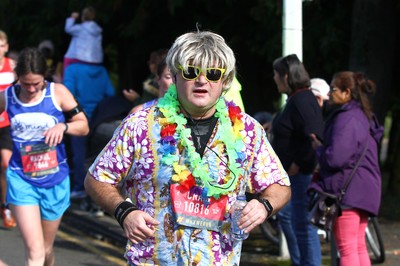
(351, 133)
(291, 128)
(38, 182)
(89, 84)
(320, 89)
(7, 76)
(54, 66)
(87, 79)
(86, 42)
(234, 94)
(192, 148)
(150, 90)
(164, 80)
(265, 119)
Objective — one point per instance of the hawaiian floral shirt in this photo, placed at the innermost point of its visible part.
(131, 160)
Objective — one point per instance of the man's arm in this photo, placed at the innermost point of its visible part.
(104, 194)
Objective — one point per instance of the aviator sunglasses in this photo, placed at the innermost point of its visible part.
(211, 74)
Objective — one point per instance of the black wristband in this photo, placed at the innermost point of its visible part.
(66, 127)
(122, 210)
(267, 206)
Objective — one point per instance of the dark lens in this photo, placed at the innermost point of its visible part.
(214, 74)
(190, 73)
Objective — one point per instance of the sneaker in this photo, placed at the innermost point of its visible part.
(77, 194)
(97, 212)
(8, 219)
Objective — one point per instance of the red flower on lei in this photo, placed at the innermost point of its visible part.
(168, 130)
(234, 112)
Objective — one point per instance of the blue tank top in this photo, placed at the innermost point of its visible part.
(32, 159)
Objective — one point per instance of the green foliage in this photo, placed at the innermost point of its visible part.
(132, 29)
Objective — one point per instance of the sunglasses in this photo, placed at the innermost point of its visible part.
(332, 88)
(211, 74)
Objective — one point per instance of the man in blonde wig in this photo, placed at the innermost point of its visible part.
(183, 162)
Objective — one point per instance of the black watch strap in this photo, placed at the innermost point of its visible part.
(267, 206)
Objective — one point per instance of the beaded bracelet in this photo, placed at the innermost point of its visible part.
(122, 210)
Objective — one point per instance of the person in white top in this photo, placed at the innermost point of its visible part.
(86, 42)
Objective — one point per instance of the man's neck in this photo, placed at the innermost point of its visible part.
(198, 115)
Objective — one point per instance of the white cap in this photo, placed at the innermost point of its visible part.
(46, 44)
(320, 88)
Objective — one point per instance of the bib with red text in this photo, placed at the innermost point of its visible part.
(39, 160)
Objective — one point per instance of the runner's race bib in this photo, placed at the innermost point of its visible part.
(190, 210)
(39, 160)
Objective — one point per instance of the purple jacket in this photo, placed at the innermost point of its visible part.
(346, 134)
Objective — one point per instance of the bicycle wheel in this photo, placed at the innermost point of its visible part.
(374, 241)
(270, 230)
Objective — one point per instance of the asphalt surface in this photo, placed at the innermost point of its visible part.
(256, 250)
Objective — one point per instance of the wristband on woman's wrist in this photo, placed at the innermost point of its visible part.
(66, 127)
(122, 210)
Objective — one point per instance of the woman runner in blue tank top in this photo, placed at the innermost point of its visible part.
(38, 175)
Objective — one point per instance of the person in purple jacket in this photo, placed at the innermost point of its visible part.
(348, 130)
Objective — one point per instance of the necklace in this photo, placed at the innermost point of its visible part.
(196, 176)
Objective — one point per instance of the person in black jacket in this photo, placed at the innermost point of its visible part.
(291, 128)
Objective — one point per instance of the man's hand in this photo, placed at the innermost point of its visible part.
(75, 15)
(139, 226)
(252, 215)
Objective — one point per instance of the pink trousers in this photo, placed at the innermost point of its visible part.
(349, 232)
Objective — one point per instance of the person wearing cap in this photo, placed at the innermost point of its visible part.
(320, 89)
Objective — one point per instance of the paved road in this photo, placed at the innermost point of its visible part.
(72, 247)
(256, 250)
(86, 240)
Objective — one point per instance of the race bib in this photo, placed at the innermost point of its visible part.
(39, 160)
(190, 210)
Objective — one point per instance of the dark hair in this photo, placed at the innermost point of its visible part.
(361, 87)
(161, 66)
(88, 13)
(157, 56)
(31, 60)
(297, 75)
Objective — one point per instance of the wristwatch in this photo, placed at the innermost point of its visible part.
(267, 206)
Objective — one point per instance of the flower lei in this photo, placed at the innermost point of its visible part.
(196, 177)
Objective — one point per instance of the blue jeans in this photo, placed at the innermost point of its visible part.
(78, 145)
(306, 234)
(285, 222)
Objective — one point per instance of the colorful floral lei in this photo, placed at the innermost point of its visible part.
(196, 177)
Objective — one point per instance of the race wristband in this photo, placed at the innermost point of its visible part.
(66, 127)
(122, 210)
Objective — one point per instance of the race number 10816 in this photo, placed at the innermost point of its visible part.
(196, 208)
